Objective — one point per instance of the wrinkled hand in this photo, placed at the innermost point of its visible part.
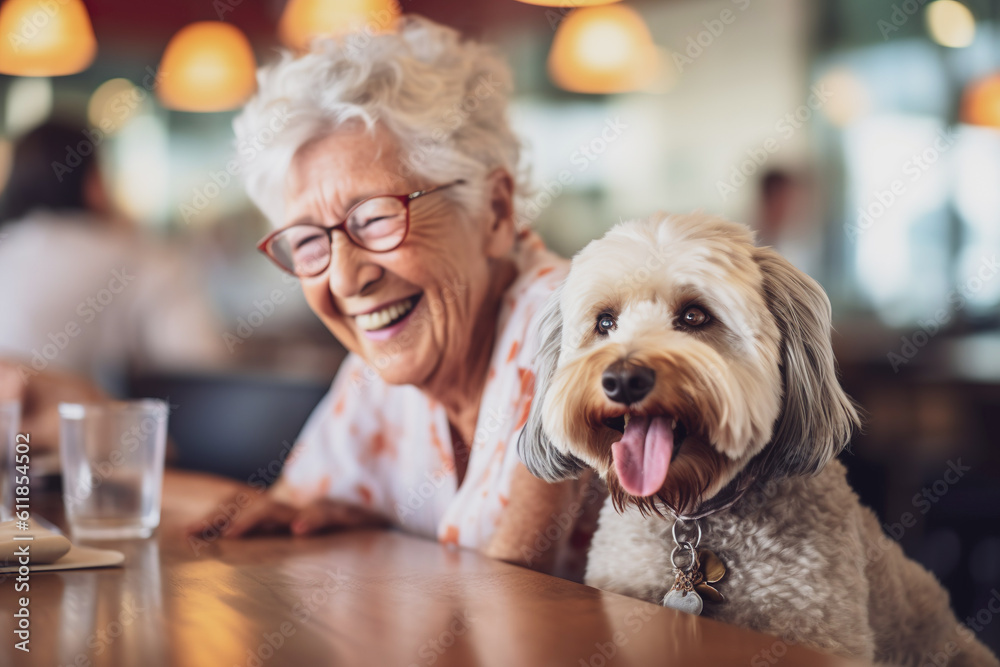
(266, 514)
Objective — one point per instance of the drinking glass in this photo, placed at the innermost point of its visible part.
(10, 416)
(112, 465)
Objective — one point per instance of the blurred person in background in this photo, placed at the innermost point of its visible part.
(85, 296)
(396, 212)
(784, 218)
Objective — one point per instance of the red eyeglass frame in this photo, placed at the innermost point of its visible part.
(264, 244)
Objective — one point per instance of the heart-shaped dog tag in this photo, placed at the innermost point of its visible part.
(686, 601)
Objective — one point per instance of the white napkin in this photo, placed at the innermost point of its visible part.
(48, 550)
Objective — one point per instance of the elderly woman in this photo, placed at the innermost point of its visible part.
(392, 184)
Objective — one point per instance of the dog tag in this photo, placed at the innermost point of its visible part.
(682, 596)
(694, 582)
(710, 571)
(686, 601)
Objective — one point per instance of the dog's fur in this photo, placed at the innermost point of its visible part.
(757, 392)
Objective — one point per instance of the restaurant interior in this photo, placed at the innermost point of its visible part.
(860, 138)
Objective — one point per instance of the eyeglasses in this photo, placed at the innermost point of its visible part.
(376, 224)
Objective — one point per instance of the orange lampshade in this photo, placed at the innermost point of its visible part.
(207, 66)
(305, 20)
(981, 102)
(45, 38)
(603, 50)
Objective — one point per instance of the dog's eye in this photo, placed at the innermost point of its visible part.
(693, 316)
(606, 323)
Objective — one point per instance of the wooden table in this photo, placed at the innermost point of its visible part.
(367, 598)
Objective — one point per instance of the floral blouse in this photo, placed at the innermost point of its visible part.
(388, 447)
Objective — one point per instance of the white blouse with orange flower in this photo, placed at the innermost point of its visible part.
(388, 447)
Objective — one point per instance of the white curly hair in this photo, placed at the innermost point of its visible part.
(443, 98)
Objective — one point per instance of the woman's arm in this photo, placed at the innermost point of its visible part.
(540, 518)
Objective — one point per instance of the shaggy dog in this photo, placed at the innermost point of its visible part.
(693, 371)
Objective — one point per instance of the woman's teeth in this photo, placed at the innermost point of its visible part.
(383, 318)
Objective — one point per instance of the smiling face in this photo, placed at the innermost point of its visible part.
(669, 377)
(410, 313)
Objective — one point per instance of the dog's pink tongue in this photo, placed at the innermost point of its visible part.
(642, 456)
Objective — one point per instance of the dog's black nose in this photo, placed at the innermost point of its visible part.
(627, 383)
